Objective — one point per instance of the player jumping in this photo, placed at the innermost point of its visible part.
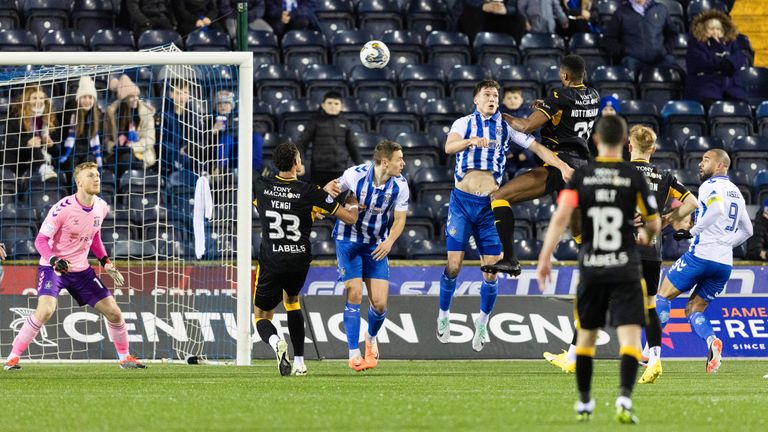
(362, 247)
(567, 116)
(70, 230)
(287, 206)
(722, 223)
(480, 142)
(606, 194)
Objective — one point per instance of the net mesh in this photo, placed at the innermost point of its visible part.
(165, 138)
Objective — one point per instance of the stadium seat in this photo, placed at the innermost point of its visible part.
(44, 15)
(447, 49)
(420, 150)
(543, 216)
(321, 78)
(689, 178)
(293, 116)
(438, 116)
(63, 40)
(124, 249)
(356, 113)
(321, 232)
(606, 9)
(302, 48)
(462, 80)
(640, 112)
(680, 49)
(17, 40)
(729, 120)
(675, 14)
(405, 48)
(425, 16)
(415, 232)
(743, 181)
(748, 154)
(90, 16)
(696, 7)
(419, 215)
(112, 40)
(755, 81)
(155, 38)
(520, 76)
(208, 40)
(695, 147)
(493, 50)
(760, 191)
(345, 48)
(9, 14)
(370, 85)
(550, 77)
(527, 250)
(660, 85)
(394, 116)
(263, 117)
(614, 80)
(421, 82)
(324, 250)
(587, 45)
(11, 234)
(136, 181)
(541, 50)
(335, 15)
(762, 118)
(276, 83)
(566, 250)
(264, 46)
(427, 250)
(378, 16)
(524, 222)
(366, 143)
(667, 154)
(24, 249)
(683, 119)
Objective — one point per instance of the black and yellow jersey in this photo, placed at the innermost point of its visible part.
(571, 113)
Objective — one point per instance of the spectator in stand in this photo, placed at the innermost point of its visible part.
(224, 129)
(757, 245)
(129, 132)
(578, 15)
(196, 14)
(609, 105)
(286, 15)
(228, 10)
(30, 136)
(672, 249)
(641, 33)
(81, 121)
(497, 16)
(514, 104)
(180, 124)
(330, 136)
(150, 15)
(713, 60)
(542, 16)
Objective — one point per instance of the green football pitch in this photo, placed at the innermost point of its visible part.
(397, 396)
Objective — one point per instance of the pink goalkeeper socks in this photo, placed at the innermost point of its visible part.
(28, 332)
(119, 335)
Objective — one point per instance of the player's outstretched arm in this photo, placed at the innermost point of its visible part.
(455, 143)
(688, 207)
(528, 125)
(348, 213)
(714, 210)
(550, 158)
(567, 202)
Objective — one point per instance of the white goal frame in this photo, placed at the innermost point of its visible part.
(243, 60)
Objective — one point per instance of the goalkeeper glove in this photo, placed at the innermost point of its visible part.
(113, 272)
(60, 265)
(682, 234)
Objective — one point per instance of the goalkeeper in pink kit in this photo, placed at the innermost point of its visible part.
(70, 230)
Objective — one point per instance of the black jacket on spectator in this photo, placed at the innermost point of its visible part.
(759, 240)
(151, 15)
(332, 143)
(647, 38)
(189, 11)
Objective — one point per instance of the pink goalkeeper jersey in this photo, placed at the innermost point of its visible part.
(70, 228)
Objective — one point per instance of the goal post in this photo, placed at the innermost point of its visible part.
(243, 61)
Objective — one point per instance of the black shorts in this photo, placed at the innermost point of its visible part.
(555, 181)
(651, 273)
(271, 282)
(625, 301)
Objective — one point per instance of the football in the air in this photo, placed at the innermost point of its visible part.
(374, 55)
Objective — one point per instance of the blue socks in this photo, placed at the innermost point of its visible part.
(663, 306)
(447, 288)
(375, 321)
(488, 292)
(352, 325)
(701, 326)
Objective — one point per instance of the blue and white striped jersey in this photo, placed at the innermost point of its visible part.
(499, 135)
(373, 224)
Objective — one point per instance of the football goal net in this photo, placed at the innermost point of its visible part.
(171, 134)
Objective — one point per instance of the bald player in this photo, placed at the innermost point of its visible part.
(722, 223)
